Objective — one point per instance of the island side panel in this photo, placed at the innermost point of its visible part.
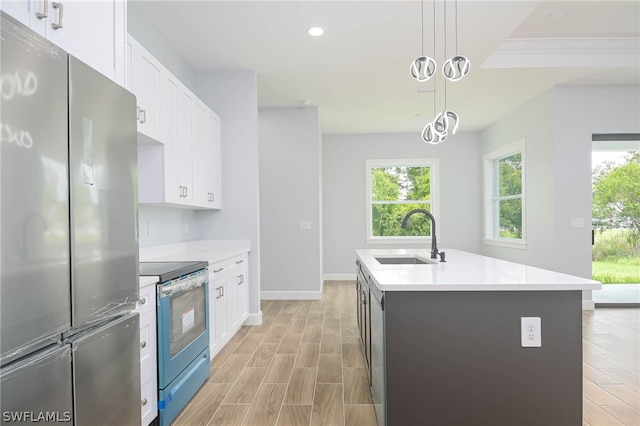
(455, 358)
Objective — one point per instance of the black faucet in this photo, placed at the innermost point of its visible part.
(434, 245)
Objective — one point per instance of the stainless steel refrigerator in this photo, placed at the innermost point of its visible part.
(69, 342)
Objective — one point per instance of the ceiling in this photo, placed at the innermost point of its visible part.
(357, 73)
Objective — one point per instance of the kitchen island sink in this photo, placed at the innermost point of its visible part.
(446, 344)
(403, 260)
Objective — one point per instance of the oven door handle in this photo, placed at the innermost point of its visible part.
(185, 284)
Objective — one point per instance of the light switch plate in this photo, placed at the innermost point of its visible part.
(577, 222)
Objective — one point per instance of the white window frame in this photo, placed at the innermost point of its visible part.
(434, 165)
(491, 217)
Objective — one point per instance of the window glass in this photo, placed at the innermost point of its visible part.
(504, 196)
(395, 190)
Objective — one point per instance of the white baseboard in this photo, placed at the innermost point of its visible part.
(254, 319)
(339, 277)
(291, 295)
(588, 305)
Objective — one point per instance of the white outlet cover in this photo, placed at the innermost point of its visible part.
(305, 225)
(531, 332)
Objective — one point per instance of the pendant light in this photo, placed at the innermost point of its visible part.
(454, 69)
(423, 67)
(458, 66)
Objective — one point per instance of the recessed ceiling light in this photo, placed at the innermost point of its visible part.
(315, 31)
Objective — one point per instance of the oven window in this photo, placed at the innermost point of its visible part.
(188, 317)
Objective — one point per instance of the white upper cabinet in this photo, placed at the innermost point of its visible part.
(206, 157)
(93, 31)
(144, 78)
(179, 157)
(184, 146)
(183, 167)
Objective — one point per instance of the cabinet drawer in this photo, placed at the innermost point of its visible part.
(217, 270)
(149, 392)
(147, 337)
(146, 300)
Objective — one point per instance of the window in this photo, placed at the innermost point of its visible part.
(394, 188)
(505, 196)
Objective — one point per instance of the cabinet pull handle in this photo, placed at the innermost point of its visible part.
(186, 191)
(239, 261)
(142, 301)
(138, 113)
(240, 279)
(219, 295)
(144, 402)
(45, 9)
(143, 344)
(143, 116)
(222, 288)
(60, 7)
(215, 271)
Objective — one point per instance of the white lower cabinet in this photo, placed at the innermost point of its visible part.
(146, 307)
(240, 276)
(228, 300)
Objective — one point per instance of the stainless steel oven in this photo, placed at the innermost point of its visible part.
(183, 334)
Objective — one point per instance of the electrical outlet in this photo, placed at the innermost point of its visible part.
(149, 229)
(531, 332)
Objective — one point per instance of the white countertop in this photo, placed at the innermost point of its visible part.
(211, 251)
(465, 271)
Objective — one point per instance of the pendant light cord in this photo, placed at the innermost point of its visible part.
(456, 4)
(422, 25)
(445, 51)
(435, 79)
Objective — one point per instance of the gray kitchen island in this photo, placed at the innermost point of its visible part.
(473, 341)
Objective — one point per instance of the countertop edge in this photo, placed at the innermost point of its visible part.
(489, 274)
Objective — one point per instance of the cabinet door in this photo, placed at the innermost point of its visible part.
(172, 190)
(206, 157)
(146, 83)
(202, 157)
(215, 135)
(149, 394)
(32, 13)
(241, 279)
(93, 31)
(217, 307)
(184, 145)
(220, 301)
(231, 294)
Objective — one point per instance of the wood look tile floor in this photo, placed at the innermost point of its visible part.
(304, 366)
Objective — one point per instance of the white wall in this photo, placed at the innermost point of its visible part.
(581, 112)
(533, 122)
(344, 193)
(290, 146)
(168, 225)
(558, 126)
(148, 36)
(233, 96)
